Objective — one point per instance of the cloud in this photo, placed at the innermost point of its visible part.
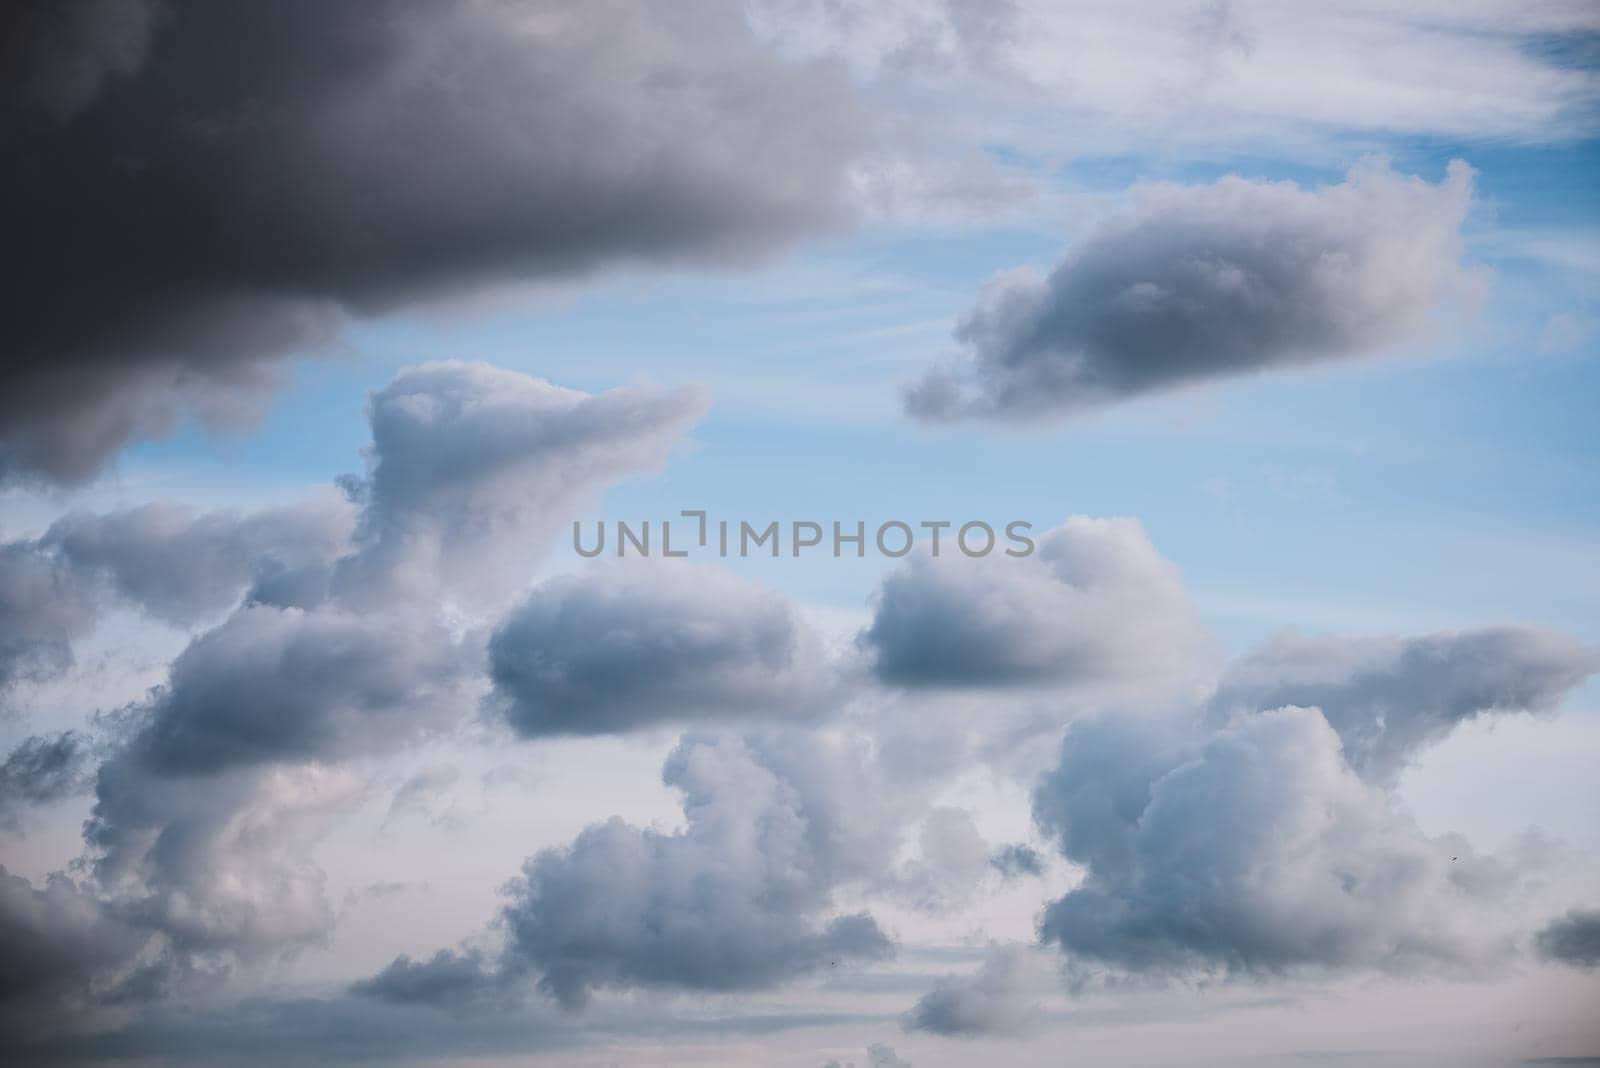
(1572, 939)
(448, 978)
(1255, 849)
(728, 904)
(995, 1001)
(183, 567)
(426, 793)
(1202, 282)
(1230, 79)
(472, 468)
(1015, 860)
(279, 684)
(63, 951)
(739, 899)
(41, 769)
(165, 559)
(218, 868)
(1095, 606)
(951, 862)
(44, 606)
(190, 223)
(221, 783)
(625, 648)
(882, 1056)
(207, 815)
(1389, 698)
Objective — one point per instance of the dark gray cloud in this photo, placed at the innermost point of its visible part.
(473, 467)
(205, 188)
(58, 57)
(618, 649)
(997, 1000)
(1201, 282)
(1255, 849)
(42, 769)
(1389, 698)
(1572, 939)
(63, 952)
(1095, 605)
(737, 900)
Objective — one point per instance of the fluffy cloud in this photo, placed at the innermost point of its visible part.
(1255, 849)
(41, 769)
(218, 868)
(206, 816)
(951, 862)
(628, 647)
(44, 606)
(1207, 281)
(64, 951)
(283, 684)
(190, 222)
(996, 1000)
(473, 467)
(183, 567)
(1016, 860)
(220, 785)
(164, 559)
(737, 900)
(1388, 698)
(1573, 939)
(730, 903)
(1095, 606)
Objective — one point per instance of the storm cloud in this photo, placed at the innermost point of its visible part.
(1201, 282)
(624, 648)
(1389, 698)
(204, 189)
(1095, 605)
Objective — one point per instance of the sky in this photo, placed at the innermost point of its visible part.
(1266, 339)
